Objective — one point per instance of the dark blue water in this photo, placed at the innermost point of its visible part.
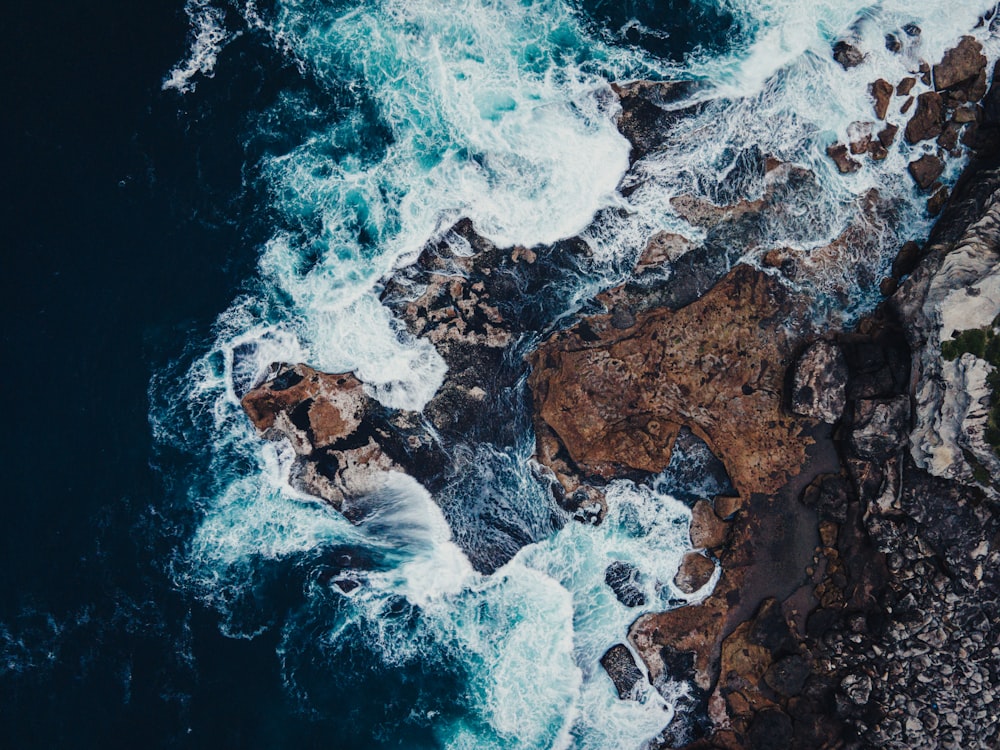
(120, 244)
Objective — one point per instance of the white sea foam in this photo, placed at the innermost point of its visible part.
(207, 37)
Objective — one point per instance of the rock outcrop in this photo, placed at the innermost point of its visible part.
(610, 400)
(956, 289)
(344, 440)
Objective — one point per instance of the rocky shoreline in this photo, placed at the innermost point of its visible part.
(859, 595)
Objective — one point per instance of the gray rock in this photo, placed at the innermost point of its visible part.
(820, 382)
(620, 665)
(622, 577)
(879, 427)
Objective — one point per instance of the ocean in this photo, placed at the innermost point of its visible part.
(194, 191)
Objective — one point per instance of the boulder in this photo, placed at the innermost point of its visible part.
(859, 136)
(312, 409)
(882, 94)
(694, 572)
(788, 676)
(926, 170)
(839, 153)
(622, 578)
(847, 54)
(887, 135)
(960, 65)
(819, 382)
(879, 427)
(620, 665)
(708, 531)
(905, 86)
(928, 120)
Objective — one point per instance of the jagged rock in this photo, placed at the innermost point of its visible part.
(928, 120)
(906, 86)
(936, 202)
(847, 54)
(616, 399)
(620, 665)
(726, 506)
(708, 531)
(960, 65)
(622, 578)
(926, 170)
(839, 153)
(331, 424)
(663, 247)
(879, 426)
(312, 409)
(887, 135)
(694, 572)
(882, 93)
(649, 110)
(948, 139)
(820, 382)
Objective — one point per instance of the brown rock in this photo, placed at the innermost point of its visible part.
(948, 139)
(663, 247)
(905, 86)
(965, 114)
(926, 170)
(960, 64)
(928, 120)
(616, 399)
(311, 408)
(925, 73)
(936, 202)
(882, 92)
(906, 105)
(694, 572)
(708, 531)
(877, 151)
(887, 135)
(726, 506)
(838, 152)
(859, 135)
(888, 286)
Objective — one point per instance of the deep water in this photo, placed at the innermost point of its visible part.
(192, 191)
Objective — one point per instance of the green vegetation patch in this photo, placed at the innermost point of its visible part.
(985, 344)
